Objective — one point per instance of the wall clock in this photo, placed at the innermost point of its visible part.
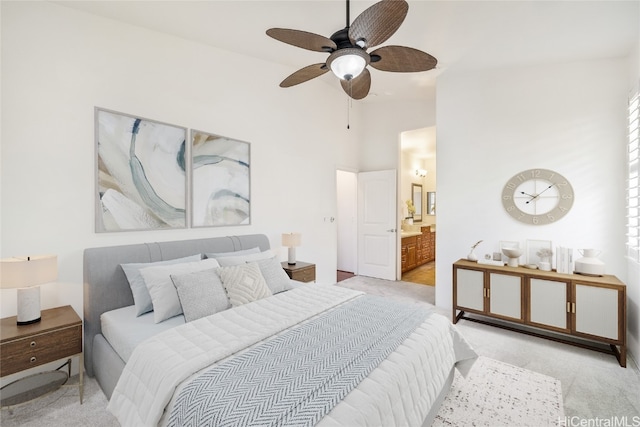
(537, 196)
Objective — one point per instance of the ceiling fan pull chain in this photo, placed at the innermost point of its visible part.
(349, 103)
(348, 112)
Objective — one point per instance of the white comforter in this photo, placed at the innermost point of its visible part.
(400, 391)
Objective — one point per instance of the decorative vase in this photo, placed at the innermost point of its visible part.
(409, 221)
(472, 256)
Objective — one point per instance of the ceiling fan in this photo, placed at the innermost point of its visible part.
(347, 48)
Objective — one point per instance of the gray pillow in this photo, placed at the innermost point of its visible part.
(201, 293)
(244, 283)
(164, 296)
(275, 276)
(235, 253)
(141, 297)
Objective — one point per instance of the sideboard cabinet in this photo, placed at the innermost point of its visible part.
(590, 308)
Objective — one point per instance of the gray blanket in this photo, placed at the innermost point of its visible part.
(297, 377)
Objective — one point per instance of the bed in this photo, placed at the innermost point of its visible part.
(149, 373)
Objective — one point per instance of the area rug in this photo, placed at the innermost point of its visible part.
(498, 394)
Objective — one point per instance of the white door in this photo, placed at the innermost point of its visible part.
(377, 238)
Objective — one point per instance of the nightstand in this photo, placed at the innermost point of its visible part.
(300, 271)
(57, 336)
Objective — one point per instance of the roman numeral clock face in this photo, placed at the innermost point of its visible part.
(537, 196)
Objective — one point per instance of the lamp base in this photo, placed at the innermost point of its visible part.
(29, 322)
(28, 305)
(292, 256)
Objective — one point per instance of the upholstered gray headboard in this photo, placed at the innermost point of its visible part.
(105, 284)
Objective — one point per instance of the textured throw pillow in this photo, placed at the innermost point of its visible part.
(275, 276)
(243, 259)
(164, 296)
(244, 283)
(141, 297)
(201, 293)
(235, 253)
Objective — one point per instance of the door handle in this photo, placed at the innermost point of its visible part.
(391, 230)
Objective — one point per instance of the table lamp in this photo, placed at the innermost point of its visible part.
(27, 274)
(291, 240)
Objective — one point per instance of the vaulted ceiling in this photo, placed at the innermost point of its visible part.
(462, 35)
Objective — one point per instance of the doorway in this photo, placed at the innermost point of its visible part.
(418, 170)
(346, 219)
(366, 223)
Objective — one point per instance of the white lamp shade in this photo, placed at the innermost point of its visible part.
(291, 240)
(348, 63)
(23, 272)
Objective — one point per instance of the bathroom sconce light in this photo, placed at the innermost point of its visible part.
(421, 173)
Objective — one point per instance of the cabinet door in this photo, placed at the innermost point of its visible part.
(469, 290)
(596, 311)
(548, 304)
(505, 296)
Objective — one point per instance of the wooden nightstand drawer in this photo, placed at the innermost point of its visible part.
(305, 275)
(300, 271)
(26, 353)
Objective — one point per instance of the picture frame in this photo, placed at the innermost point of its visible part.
(220, 180)
(141, 176)
(534, 246)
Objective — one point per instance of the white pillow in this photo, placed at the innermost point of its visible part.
(164, 296)
(234, 253)
(243, 259)
(201, 293)
(244, 283)
(274, 275)
(141, 297)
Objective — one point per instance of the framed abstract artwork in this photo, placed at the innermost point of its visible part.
(141, 173)
(220, 184)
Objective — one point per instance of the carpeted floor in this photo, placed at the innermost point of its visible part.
(593, 385)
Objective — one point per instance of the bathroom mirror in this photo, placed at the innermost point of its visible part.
(431, 203)
(416, 198)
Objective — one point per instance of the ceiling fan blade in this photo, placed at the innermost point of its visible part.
(303, 39)
(378, 23)
(304, 74)
(401, 59)
(359, 87)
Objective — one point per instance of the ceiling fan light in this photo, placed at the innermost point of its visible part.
(348, 63)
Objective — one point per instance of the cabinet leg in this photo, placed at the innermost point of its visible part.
(81, 376)
(457, 316)
(621, 354)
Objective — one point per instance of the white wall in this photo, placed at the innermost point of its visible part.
(380, 137)
(57, 64)
(633, 268)
(492, 124)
